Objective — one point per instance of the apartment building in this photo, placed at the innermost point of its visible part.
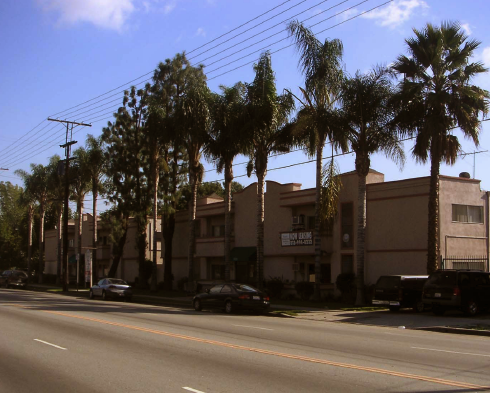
(396, 233)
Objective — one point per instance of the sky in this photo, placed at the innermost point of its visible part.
(72, 59)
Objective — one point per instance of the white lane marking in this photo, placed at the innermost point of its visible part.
(461, 353)
(192, 390)
(45, 342)
(253, 327)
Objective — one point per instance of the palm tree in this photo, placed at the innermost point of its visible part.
(28, 201)
(37, 183)
(95, 171)
(57, 188)
(194, 121)
(367, 123)
(267, 132)
(321, 64)
(225, 143)
(436, 96)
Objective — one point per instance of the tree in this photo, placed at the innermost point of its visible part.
(96, 170)
(367, 118)
(321, 64)
(435, 96)
(127, 171)
(225, 143)
(267, 114)
(193, 119)
(36, 183)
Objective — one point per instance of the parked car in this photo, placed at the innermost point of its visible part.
(400, 292)
(13, 278)
(231, 297)
(466, 290)
(111, 288)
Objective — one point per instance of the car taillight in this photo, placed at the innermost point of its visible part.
(112, 287)
(266, 298)
(244, 297)
(456, 291)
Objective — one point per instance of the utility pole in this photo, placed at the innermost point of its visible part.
(67, 146)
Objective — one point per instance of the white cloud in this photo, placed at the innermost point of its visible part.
(466, 28)
(396, 12)
(200, 32)
(169, 7)
(486, 56)
(347, 14)
(107, 14)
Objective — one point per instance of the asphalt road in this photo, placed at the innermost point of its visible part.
(51, 343)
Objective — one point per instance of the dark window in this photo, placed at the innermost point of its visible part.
(442, 279)
(218, 272)
(216, 289)
(470, 214)
(19, 274)
(388, 282)
(244, 288)
(197, 227)
(347, 263)
(326, 273)
(101, 282)
(226, 289)
(347, 225)
(310, 223)
(218, 230)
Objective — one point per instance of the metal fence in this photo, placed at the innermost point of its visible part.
(466, 262)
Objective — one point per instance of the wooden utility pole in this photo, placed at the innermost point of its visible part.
(67, 146)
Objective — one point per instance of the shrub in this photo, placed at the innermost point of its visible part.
(274, 287)
(181, 283)
(304, 289)
(48, 279)
(346, 284)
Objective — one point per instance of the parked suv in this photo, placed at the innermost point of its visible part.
(467, 290)
(399, 292)
(11, 278)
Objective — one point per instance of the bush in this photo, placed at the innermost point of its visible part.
(304, 289)
(346, 284)
(47, 279)
(181, 283)
(274, 287)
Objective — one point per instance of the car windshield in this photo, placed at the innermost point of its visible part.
(388, 282)
(117, 281)
(442, 279)
(19, 274)
(244, 288)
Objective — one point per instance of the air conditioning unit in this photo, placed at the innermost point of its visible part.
(297, 220)
(295, 267)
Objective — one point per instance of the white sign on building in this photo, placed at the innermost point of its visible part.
(304, 238)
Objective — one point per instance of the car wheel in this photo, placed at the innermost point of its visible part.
(90, 294)
(438, 310)
(104, 295)
(419, 306)
(472, 308)
(228, 307)
(197, 305)
(394, 308)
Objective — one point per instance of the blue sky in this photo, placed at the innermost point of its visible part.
(57, 54)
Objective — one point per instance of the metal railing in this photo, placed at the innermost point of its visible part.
(466, 262)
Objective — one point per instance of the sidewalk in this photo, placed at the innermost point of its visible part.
(451, 322)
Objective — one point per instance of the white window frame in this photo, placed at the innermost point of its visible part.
(467, 216)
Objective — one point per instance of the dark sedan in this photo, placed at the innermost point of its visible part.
(111, 288)
(231, 297)
(13, 278)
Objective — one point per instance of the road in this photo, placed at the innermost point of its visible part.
(52, 343)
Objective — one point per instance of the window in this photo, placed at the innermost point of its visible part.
(218, 272)
(325, 273)
(347, 227)
(466, 213)
(226, 289)
(70, 243)
(347, 263)
(310, 223)
(197, 228)
(218, 230)
(216, 289)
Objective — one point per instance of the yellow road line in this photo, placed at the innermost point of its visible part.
(283, 355)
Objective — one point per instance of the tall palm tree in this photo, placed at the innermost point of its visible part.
(96, 170)
(436, 96)
(194, 120)
(367, 118)
(225, 143)
(37, 183)
(28, 201)
(267, 132)
(321, 64)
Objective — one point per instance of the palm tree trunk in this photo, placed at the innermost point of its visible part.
(228, 180)
(79, 233)
(260, 227)
(155, 216)
(95, 194)
(41, 243)
(30, 216)
(168, 229)
(433, 234)
(318, 244)
(361, 235)
(59, 245)
(192, 226)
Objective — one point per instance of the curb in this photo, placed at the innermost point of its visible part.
(446, 329)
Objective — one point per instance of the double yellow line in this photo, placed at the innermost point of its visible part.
(282, 355)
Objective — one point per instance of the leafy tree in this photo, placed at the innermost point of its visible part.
(267, 114)
(435, 96)
(316, 121)
(225, 143)
(117, 221)
(367, 118)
